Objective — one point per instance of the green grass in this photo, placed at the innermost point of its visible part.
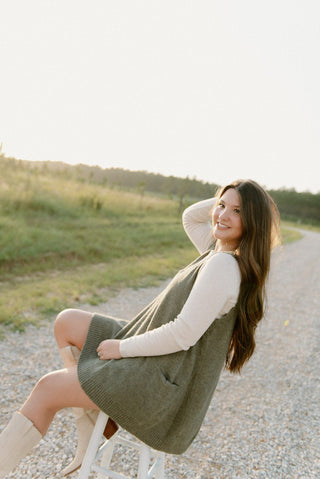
(64, 243)
(289, 234)
(292, 231)
(301, 226)
(28, 300)
(64, 227)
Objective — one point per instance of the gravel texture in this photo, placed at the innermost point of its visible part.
(263, 424)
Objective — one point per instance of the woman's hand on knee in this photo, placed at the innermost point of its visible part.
(109, 349)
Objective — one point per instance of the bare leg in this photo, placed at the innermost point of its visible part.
(71, 327)
(60, 389)
(54, 391)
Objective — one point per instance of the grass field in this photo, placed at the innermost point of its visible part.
(64, 243)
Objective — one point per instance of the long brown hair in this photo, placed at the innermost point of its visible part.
(261, 231)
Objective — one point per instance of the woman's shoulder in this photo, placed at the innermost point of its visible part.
(225, 265)
(223, 258)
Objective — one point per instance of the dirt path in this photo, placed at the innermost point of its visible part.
(262, 424)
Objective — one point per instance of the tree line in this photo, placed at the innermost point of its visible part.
(303, 207)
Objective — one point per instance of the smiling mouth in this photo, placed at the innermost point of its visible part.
(221, 225)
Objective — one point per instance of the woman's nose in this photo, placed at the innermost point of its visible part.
(224, 213)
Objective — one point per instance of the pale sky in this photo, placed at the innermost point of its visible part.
(216, 90)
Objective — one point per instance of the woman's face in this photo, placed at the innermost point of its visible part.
(226, 220)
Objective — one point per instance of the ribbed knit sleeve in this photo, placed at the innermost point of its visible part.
(197, 223)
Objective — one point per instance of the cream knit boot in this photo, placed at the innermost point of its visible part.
(16, 441)
(85, 418)
(85, 425)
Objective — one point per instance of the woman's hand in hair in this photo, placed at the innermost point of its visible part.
(109, 349)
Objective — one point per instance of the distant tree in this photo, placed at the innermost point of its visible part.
(183, 191)
(141, 188)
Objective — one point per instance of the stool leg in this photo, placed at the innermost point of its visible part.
(144, 462)
(93, 446)
(160, 470)
(107, 456)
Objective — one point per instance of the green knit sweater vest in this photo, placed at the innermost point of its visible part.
(162, 400)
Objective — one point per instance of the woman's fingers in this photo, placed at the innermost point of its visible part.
(109, 349)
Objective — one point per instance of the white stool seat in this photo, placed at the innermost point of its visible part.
(98, 458)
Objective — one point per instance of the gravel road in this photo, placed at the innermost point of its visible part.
(262, 424)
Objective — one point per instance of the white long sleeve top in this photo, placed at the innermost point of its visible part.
(213, 294)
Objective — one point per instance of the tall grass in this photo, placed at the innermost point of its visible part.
(63, 242)
(63, 223)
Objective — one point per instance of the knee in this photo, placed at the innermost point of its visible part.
(44, 383)
(71, 327)
(49, 392)
(44, 390)
(63, 321)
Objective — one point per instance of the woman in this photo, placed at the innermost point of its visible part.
(155, 375)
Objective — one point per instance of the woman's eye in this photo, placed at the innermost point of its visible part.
(237, 211)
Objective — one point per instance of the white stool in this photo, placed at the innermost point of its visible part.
(150, 465)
